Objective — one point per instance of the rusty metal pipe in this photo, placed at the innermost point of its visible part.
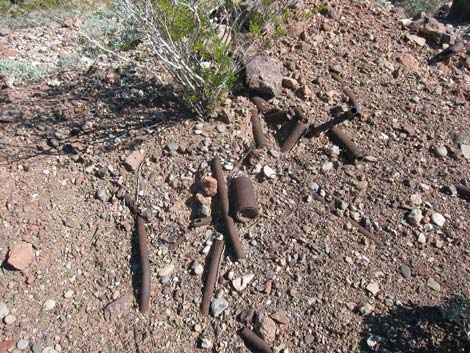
(243, 199)
(200, 222)
(229, 223)
(261, 104)
(276, 117)
(211, 276)
(347, 91)
(258, 134)
(295, 135)
(255, 343)
(338, 135)
(144, 304)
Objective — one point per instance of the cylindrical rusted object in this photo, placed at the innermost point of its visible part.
(255, 343)
(221, 185)
(243, 199)
(298, 131)
(367, 233)
(199, 222)
(276, 117)
(344, 140)
(261, 104)
(130, 204)
(352, 98)
(144, 304)
(258, 134)
(211, 276)
(223, 197)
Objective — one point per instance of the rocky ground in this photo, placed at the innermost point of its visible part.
(310, 282)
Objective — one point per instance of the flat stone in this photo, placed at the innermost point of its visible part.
(22, 344)
(48, 305)
(421, 238)
(415, 217)
(431, 283)
(209, 185)
(4, 311)
(197, 268)
(438, 219)
(133, 161)
(264, 76)
(21, 256)
(417, 39)
(441, 151)
(280, 317)
(373, 288)
(269, 172)
(218, 306)
(49, 350)
(267, 328)
(119, 307)
(405, 271)
(166, 271)
(172, 147)
(241, 283)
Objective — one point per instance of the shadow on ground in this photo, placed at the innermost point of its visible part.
(104, 110)
(418, 329)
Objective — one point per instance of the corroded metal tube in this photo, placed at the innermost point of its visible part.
(243, 199)
(276, 117)
(261, 104)
(338, 135)
(144, 304)
(258, 134)
(199, 222)
(254, 342)
(295, 135)
(211, 276)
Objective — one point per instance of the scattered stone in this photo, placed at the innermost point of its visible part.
(421, 238)
(6, 346)
(290, 83)
(71, 223)
(433, 284)
(309, 339)
(166, 271)
(48, 305)
(263, 76)
(417, 39)
(172, 147)
(133, 161)
(119, 307)
(49, 350)
(218, 306)
(100, 194)
(465, 151)
(9, 319)
(4, 311)
(405, 271)
(37, 348)
(221, 128)
(438, 219)
(206, 343)
(441, 151)
(22, 344)
(415, 217)
(373, 288)
(366, 309)
(439, 244)
(68, 294)
(373, 340)
(21, 256)
(327, 166)
(416, 199)
(209, 185)
(269, 172)
(267, 328)
(280, 317)
(197, 268)
(241, 283)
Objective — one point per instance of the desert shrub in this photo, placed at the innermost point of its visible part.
(415, 7)
(20, 71)
(202, 43)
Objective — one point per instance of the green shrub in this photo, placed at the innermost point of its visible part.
(20, 71)
(415, 7)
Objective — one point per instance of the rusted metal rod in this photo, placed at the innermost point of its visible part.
(244, 205)
(261, 104)
(338, 135)
(347, 91)
(211, 276)
(299, 130)
(199, 222)
(447, 53)
(144, 304)
(315, 131)
(255, 343)
(258, 134)
(224, 202)
(276, 117)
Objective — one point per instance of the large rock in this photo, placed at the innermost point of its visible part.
(21, 256)
(264, 76)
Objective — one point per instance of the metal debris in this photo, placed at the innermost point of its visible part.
(244, 205)
(258, 134)
(211, 277)
(338, 135)
(254, 342)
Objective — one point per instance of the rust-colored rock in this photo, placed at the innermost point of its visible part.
(21, 256)
(6, 346)
(209, 185)
(10, 53)
(133, 161)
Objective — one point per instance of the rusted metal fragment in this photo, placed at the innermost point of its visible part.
(224, 203)
(339, 136)
(447, 53)
(211, 276)
(130, 204)
(244, 205)
(258, 134)
(347, 91)
(317, 130)
(299, 130)
(200, 222)
(276, 117)
(463, 191)
(255, 343)
(261, 104)
(144, 304)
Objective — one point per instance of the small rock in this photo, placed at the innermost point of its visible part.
(9, 319)
(218, 306)
(275, 153)
(4, 311)
(119, 307)
(290, 83)
(54, 83)
(22, 344)
(417, 39)
(465, 151)
(264, 76)
(416, 199)
(209, 185)
(327, 166)
(221, 129)
(438, 219)
(433, 284)
(71, 223)
(405, 271)
(267, 328)
(21, 256)
(309, 339)
(166, 271)
(366, 309)
(280, 317)
(269, 172)
(49, 350)
(241, 283)
(441, 151)
(100, 194)
(373, 340)
(197, 268)
(206, 343)
(172, 147)
(133, 161)
(421, 238)
(373, 288)
(415, 217)
(68, 294)
(48, 305)
(36, 348)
